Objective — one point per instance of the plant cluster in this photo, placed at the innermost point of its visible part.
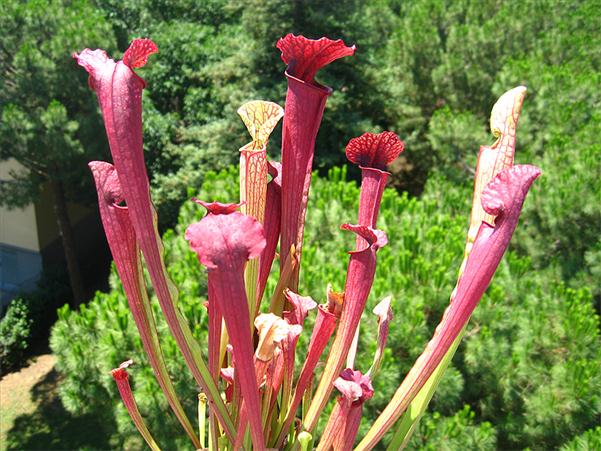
(15, 329)
(518, 338)
(255, 369)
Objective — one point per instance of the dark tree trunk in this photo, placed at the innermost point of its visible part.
(66, 232)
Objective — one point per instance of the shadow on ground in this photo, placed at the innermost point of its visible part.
(52, 427)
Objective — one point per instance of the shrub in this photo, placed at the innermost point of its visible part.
(547, 336)
(589, 440)
(15, 329)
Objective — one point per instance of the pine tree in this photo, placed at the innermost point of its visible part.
(49, 122)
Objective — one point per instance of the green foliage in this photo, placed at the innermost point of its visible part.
(427, 70)
(48, 121)
(560, 133)
(588, 441)
(452, 135)
(194, 86)
(15, 329)
(451, 433)
(443, 68)
(452, 54)
(528, 368)
(540, 375)
(213, 57)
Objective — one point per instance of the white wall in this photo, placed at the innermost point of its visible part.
(17, 226)
(20, 259)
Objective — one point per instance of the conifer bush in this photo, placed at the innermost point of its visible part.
(15, 330)
(539, 387)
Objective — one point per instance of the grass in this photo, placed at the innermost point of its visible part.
(33, 417)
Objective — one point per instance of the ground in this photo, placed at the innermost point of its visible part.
(33, 417)
(15, 399)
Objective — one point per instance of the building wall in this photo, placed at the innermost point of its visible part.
(20, 258)
(30, 241)
(17, 226)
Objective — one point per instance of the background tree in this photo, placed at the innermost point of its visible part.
(429, 70)
(527, 374)
(49, 120)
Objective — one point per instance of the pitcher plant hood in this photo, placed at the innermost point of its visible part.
(224, 243)
(305, 104)
(503, 198)
(119, 92)
(126, 254)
